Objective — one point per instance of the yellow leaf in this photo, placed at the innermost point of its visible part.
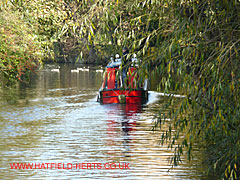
(91, 31)
(232, 87)
(93, 26)
(213, 90)
(219, 60)
(169, 67)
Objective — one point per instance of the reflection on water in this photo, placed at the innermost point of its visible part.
(56, 119)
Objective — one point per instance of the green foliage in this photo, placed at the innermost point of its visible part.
(45, 18)
(18, 48)
(28, 30)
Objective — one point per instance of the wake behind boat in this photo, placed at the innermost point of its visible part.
(118, 87)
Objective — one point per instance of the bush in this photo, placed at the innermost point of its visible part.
(19, 49)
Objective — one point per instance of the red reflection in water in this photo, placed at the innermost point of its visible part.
(121, 125)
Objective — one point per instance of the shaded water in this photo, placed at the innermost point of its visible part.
(56, 119)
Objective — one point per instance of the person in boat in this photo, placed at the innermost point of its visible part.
(125, 63)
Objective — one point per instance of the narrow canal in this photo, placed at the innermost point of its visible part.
(56, 124)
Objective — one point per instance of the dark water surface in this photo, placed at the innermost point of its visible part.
(56, 119)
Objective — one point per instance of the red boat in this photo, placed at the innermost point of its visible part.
(116, 90)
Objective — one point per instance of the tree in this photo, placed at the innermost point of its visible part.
(19, 49)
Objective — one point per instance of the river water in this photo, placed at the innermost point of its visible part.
(55, 124)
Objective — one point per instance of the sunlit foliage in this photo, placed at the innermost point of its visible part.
(28, 30)
(19, 49)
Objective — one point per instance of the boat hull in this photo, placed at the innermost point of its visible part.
(135, 96)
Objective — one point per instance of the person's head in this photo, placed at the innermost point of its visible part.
(125, 51)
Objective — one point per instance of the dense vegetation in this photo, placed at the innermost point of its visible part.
(190, 45)
(27, 30)
(18, 48)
